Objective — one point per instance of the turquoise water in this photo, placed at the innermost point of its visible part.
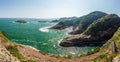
(35, 34)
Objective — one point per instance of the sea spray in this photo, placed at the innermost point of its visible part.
(45, 29)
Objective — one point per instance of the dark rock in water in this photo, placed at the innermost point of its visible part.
(43, 21)
(21, 21)
(100, 30)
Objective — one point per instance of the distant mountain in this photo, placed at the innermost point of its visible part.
(66, 24)
(79, 24)
(87, 20)
(100, 30)
(64, 19)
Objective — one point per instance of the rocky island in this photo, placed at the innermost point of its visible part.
(21, 21)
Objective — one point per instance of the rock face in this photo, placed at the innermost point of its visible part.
(113, 47)
(21, 21)
(116, 59)
(100, 30)
(80, 41)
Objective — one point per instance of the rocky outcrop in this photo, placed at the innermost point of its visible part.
(113, 47)
(100, 30)
(80, 40)
(21, 21)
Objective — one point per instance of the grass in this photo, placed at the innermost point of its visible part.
(116, 38)
(3, 37)
(14, 51)
(109, 56)
(95, 50)
(12, 48)
(104, 58)
(30, 61)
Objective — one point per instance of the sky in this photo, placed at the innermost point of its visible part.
(55, 8)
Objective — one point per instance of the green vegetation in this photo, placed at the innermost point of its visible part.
(103, 24)
(12, 48)
(30, 61)
(14, 51)
(103, 29)
(96, 49)
(104, 58)
(116, 38)
(109, 56)
(90, 18)
(105, 47)
(67, 23)
(81, 22)
(3, 37)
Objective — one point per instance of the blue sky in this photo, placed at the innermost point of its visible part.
(55, 8)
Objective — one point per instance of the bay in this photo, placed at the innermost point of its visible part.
(36, 34)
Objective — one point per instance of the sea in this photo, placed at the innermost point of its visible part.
(37, 35)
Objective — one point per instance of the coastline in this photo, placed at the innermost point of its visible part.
(29, 47)
(44, 29)
(67, 35)
(31, 53)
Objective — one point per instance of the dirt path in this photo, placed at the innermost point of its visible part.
(30, 53)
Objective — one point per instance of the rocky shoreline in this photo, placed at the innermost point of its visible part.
(29, 53)
(99, 30)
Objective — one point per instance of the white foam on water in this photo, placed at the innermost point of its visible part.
(44, 43)
(30, 47)
(13, 22)
(72, 52)
(44, 29)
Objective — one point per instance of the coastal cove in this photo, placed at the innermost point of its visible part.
(35, 34)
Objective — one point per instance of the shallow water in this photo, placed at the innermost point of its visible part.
(37, 35)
